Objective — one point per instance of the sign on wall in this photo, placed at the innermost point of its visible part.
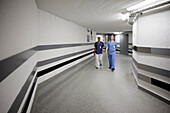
(88, 38)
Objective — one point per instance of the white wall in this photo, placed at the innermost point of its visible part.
(18, 32)
(101, 37)
(23, 26)
(152, 30)
(117, 38)
(55, 30)
(18, 26)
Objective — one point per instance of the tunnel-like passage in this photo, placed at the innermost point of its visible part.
(47, 62)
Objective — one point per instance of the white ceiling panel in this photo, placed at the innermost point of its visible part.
(99, 15)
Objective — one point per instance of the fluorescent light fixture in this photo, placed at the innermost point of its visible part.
(117, 33)
(145, 4)
(157, 8)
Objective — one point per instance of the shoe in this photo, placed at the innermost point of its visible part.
(100, 64)
(97, 68)
(109, 67)
(113, 69)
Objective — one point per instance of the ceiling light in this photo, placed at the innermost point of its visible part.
(145, 4)
(117, 33)
(125, 16)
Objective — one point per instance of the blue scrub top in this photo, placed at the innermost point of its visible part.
(98, 47)
(111, 47)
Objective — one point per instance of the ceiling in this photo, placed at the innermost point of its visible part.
(98, 15)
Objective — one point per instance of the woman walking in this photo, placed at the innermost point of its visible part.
(110, 50)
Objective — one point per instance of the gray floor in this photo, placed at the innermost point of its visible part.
(83, 89)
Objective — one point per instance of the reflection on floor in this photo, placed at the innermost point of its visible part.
(83, 89)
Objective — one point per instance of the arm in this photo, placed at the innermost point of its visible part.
(106, 49)
(116, 45)
(102, 48)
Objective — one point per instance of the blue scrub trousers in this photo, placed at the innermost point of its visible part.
(112, 60)
(109, 60)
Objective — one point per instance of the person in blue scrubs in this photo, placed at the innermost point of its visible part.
(109, 56)
(111, 51)
(98, 52)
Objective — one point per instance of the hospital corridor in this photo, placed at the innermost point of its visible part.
(82, 89)
(84, 56)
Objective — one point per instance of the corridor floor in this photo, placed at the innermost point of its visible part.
(84, 89)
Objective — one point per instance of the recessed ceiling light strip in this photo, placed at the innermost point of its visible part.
(167, 3)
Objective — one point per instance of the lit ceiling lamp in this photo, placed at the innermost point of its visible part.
(124, 16)
(117, 33)
(145, 4)
(142, 7)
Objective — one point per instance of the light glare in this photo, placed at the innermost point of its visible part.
(145, 4)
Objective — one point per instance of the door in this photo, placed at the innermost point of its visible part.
(124, 44)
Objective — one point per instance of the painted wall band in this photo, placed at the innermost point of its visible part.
(10, 64)
(128, 43)
(58, 46)
(17, 102)
(152, 69)
(27, 102)
(159, 51)
(45, 71)
(147, 91)
(45, 62)
(155, 95)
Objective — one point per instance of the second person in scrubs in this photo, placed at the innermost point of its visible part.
(111, 51)
(98, 52)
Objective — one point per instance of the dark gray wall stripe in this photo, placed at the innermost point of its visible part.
(52, 68)
(128, 43)
(45, 62)
(18, 100)
(144, 78)
(10, 64)
(159, 51)
(46, 47)
(155, 95)
(135, 62)
(27, 102)
(134, 70)
(152, 69)
(147, 91)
